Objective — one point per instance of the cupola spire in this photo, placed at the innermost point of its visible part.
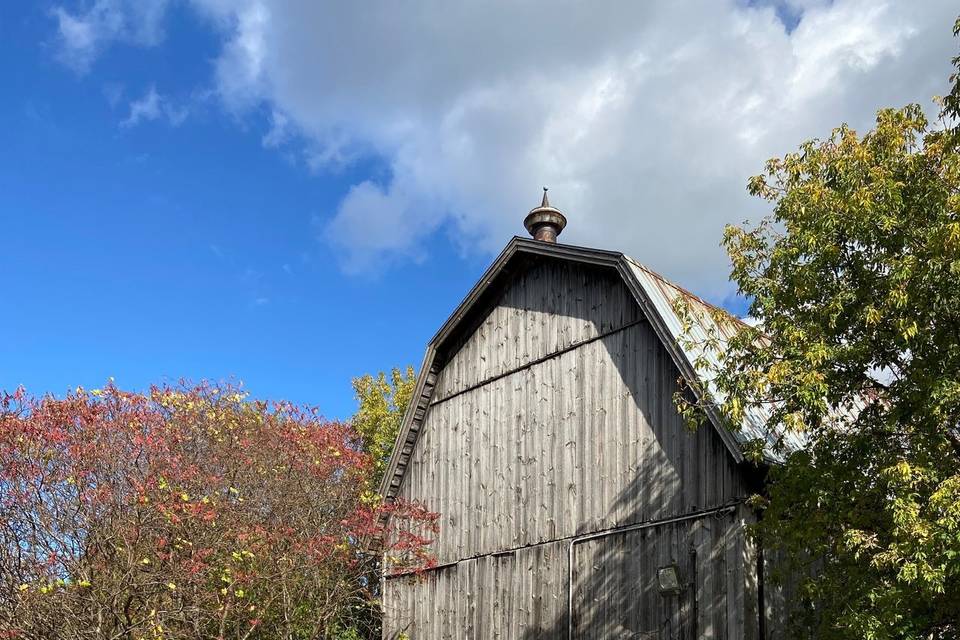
(545, 222)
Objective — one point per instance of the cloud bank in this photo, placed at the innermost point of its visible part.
(644, 118)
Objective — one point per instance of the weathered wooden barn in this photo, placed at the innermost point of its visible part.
(574, 501)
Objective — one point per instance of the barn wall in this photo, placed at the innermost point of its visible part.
(555, 419)
(523, 595)
(547, 309)
(520, 595)
(583, 441)
(617, 595)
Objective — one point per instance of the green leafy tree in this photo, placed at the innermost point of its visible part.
(381, 402)
(855, 280)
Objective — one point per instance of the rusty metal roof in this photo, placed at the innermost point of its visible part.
(707, 321)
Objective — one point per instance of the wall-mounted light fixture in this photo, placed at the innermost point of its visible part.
(668, 580)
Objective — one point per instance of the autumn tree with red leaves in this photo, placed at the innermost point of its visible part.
(190, 512)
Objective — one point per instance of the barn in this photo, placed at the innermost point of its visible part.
(574, 501)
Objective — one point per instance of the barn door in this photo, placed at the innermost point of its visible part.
(616, 592)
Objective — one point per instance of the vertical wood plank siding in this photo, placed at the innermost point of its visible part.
(585, 441)
(545, 310)
(520, 449)
(520, 595)
(616, 594)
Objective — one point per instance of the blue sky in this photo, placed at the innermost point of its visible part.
(151, 253)
(292, 194)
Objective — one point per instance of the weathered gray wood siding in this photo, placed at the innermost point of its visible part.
(555, 418)
(584, 441)
(547, 309)
(522, 595)
(617, 596)
(519, 595)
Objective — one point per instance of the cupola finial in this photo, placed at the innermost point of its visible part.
(545, 222)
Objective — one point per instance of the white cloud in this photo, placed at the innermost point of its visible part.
(373, 222)
(279, 133)
(644, 118)
(154, 106)
(85, 33)
(241, 63)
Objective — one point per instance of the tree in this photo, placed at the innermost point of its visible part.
(381, 401)
(855, 280)
(189, 512)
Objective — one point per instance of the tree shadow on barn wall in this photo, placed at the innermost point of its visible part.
(677, 473)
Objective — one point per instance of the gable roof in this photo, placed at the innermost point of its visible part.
(655, 295)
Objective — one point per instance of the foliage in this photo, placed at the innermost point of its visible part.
(855, 279)
(188, 512)
(382, 401)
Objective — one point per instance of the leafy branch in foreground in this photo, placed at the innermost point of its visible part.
(855, 280)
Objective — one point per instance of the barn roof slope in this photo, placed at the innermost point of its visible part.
(657, 297)
(706, 321)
